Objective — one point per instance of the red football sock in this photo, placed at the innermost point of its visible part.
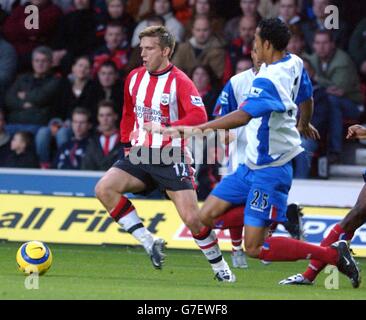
(315, 266)
(232, 218)
(236, 235)
(123, 208)
(288, 249)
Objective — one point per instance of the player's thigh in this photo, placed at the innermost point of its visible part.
(186, 204)
(212, 208)
(254, 239)
(119, 181)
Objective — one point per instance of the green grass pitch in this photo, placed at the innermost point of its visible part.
(112, 272)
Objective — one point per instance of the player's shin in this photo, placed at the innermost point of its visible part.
(125, 215)
(208, 243)
(287, 249)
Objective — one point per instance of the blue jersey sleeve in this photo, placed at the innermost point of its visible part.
(226, 102)
(305, 89)
(263, 99)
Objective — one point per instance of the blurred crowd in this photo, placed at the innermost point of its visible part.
(61, 85)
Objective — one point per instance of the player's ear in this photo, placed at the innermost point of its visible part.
(166, 52)
(267, 44)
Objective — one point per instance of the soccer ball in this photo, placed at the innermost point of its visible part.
(34, 257)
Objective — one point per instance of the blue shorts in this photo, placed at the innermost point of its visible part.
(264, 193)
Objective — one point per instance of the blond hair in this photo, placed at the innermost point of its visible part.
(166, 39)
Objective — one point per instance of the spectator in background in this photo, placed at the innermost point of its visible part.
(357, 50)
(30, 101)
(336, 73)
(116, 49)
(243, 64)
(107, 87)
(288, 12)
(75, 91)
(202, 49)
(4, 140)
(357, 45)
(75, 35)
(269, 8)
(104, 147)
(26, 40)
(206, 8)
(8, 65)
(240, 47)
(249, 8)
(139, 9)
(320, 121)
(183, 10)
(161, 8)
(310, 27)
(116, 12)
(70, 155)
(296, 45)
(204, 79)
(22, 154)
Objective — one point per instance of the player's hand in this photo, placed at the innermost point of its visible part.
(126, 151)
(152, 127)
(356, 132)
(173, 132)
(308, 131)
(182, 131)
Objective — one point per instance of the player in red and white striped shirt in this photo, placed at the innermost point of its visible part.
(159, 94)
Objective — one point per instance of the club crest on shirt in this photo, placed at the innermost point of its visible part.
(197, 101)
(164, 99)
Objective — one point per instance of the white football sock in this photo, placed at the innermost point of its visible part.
(133, 225)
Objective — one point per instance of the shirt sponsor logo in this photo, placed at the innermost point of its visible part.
(149, 115)
(197, 101)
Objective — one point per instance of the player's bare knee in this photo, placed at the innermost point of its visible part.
(206, 217)
(102, 190)
(193, 224)
(206, 220)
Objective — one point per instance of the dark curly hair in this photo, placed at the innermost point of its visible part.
(276, 32)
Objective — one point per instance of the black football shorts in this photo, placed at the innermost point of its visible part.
(173, 177)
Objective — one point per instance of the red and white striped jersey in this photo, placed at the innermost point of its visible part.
(166, 98)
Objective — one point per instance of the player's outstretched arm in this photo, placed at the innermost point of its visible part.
(230, 121)
(356, 132)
